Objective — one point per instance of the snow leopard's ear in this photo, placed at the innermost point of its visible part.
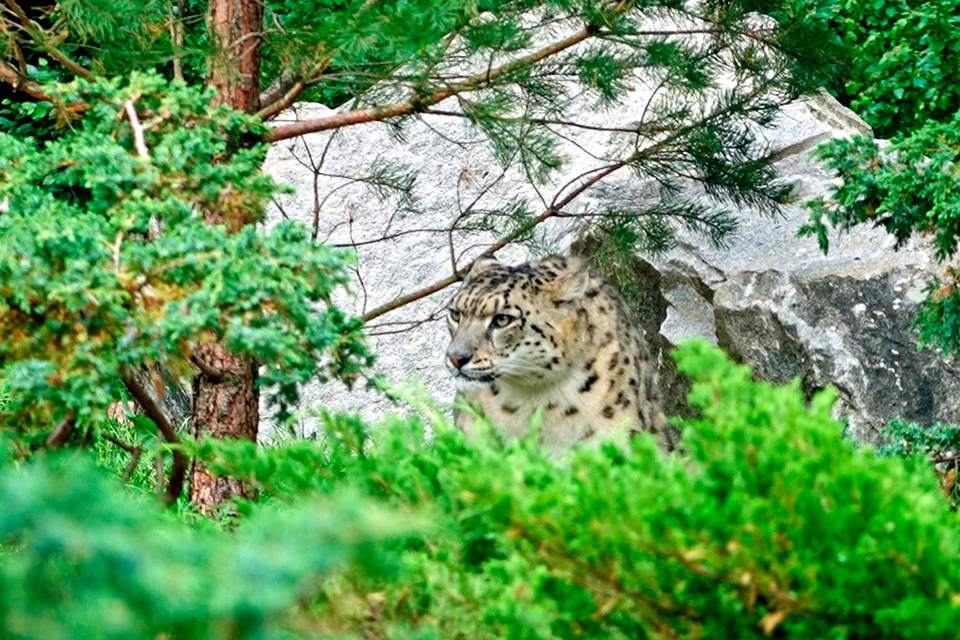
(482, 263)
(570, 279)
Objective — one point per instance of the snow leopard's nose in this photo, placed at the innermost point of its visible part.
(458, 359)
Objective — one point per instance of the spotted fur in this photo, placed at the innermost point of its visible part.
(551, 334)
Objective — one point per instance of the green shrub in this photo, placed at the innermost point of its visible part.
(902, 61)
(938, 442)
(769, 524)
(107, 263)
(81, 558)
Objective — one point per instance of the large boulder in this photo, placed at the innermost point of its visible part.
(771, 299)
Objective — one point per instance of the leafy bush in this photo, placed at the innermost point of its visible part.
(902, 61)
(108, 263)
(770, 524)
(939, 442)
(81, 558)
(910, 188)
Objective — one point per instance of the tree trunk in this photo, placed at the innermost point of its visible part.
(235, 27)
(224, 406)
(225, 403)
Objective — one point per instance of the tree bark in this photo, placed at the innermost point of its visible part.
(224, 406)
(225, 402)
(235, 27)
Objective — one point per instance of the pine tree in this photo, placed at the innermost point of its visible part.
(131, 77)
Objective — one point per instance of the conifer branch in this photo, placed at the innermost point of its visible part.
(558, 204)
(550, 212)
(408, 107)
(40, 37)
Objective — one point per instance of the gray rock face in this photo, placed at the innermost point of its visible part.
(772, 300)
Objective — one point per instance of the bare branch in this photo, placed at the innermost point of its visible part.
(292, 92)
(23, 84)
(155, 412)
(134, 451)
(158, 472)
(543, 121)
(40, 37)
(138, 139)
(280, 85)
(62, 432)
(212, 373)
(116, 252)
(440, 285)
(391, 236)
(176, 38)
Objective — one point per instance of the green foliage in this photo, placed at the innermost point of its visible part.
(910, 188)
(378, 53)
(107, 261)
(901, 61)
(118, 37)
(909, 438)
(937, 442)
(770, 524)
(81, 558)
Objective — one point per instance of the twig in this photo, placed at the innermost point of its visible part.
(138, 138)
(14, 48)
(158, 471)
(176, 38)
(116, 252)
(155, 412)
(496, 246)
(212, 373)
(280, 85)
(134, 451)
(293, 92)
(392, 236)
(62, 432)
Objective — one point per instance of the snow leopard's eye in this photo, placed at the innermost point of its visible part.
(501, 320)
(454, 315)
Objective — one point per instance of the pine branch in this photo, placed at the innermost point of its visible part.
(555, 208)
(40, 38)
(408, 107)
(284, 91)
